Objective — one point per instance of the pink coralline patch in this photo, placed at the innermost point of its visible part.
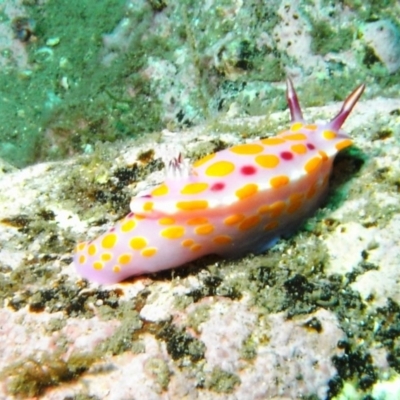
(12, 51)
(24, 334)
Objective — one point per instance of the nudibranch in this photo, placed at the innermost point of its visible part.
(236, 201)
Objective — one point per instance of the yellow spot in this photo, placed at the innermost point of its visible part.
(204, 229)
(323, 155)
(312, 164)
(116, 269)
(267, 160)
(220, 168)
(166, 221)
(161, 190)
(138, 243)
(273, 141)
(82, 259)
(149, 252)
(233, 219)
(148, 206)
(106, 257)
(203, 160)
(194, 188)
(197, 221)
(311, 127)
(129, 225)
(296, 126)
(296, 136)
(109, 241)
(223, 239)
(195, 247)
(98, 265)
(295, 201)
(246, 191)
(249, 223)
(329, 135)
(81, 246)
(279, 181)
(276, 209)
(192, 205)
(343, 144)
(299, 148)
(271, 225)
(247, 149)
(124, 258)
(173, 232)
(187, 242)
(92, 249)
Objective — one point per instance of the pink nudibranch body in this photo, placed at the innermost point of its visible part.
(238, 200)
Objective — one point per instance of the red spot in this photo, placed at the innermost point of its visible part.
(112, 229)
(310, 146)
(130, 215)
(248, 170)
(217, 186)
(286, 155)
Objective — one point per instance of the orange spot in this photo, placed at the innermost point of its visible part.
(233, 219)
(247, 149)
(279, 181)
(192, 205)
(295, 201)
(223, 239)
(249, 222)
(197, 221)
(296, 136)
(82, 259)
(312, 164)
(329, 135)
(128, 225)
(203, 160)
(343, 144)
(277, 208)
(194, 188)
(148, 252)
(311, 192)
(323, 155)
(267, 160)
(173, 232)
(299, 148)
(116, 269)
(271, 225)
(220, 168)
(311, 127)
(195, 247)
(109, 241)
(124, 259)
(98, 265)
(92, 249)
(187, 242)
(137, 243)
(246, 191)
(166, 221)
(204, 229)
(80, 246)
(148, 206)
(160, 190)
(106, 257)
(272, 141)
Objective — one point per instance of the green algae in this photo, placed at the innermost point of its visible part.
(221, 381)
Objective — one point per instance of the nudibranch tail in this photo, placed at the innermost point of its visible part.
(293, 102)
(337, 122)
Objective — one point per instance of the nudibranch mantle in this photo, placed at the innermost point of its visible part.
(236, 201)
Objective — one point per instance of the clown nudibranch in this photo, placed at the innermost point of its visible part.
(236, 201)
